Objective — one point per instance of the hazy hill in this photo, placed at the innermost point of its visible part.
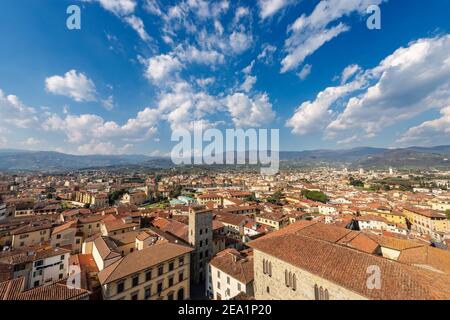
(413, 157)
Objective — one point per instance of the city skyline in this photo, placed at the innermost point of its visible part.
(137, 70)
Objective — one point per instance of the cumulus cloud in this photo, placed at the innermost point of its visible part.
(88, 127)
(248, 84)
(162, 67)
(250, 112)
(14, 112)
(74, 85)
(118, 7)
(313, 116)
(181, 105)
(408, 82)
(192, 54)
(240, 41)
(429, 132)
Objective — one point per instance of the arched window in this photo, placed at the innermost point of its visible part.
(294, 282)
(290, 279)
(286, 278)
(264, 266)
(270, 269)
(326, 297)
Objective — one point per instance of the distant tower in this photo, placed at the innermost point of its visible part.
(361, 171)
(391, 171)
(201, 238)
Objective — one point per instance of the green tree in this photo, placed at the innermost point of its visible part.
(275, 198)
(115, 195)
(315, 196)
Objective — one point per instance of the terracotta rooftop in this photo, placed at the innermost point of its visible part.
(312, 250)
(235, 264)
(14, 290)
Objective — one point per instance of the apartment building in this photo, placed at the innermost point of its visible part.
(210, 197)
(159, 272)
(276, 220)
(427, 221)
(38, 266)
(134, 198)
(49, 266)
(67, 236)
(30, 235)
(230, 273)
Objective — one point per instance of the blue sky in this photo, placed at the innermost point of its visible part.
(139, 69)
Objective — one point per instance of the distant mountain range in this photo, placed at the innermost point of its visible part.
(365, 157)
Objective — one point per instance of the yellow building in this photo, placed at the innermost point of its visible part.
(31, 235)
(427, 220)
(159, 272)
(396, 217)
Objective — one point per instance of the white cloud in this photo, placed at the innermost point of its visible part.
(162, 67)
(182, 105)
(267, 52)
(270, 7)
(305, 72)
(313, 116)
(192, 54)
(248, 69)
(204, 82)
(250, 112)
(14, 112)
(309, 44)
(138, 25)
(74, 85)
(241, 12)
(108, 103)
(430, 132)
(309, 33)
(31, 142)
(89, 127)
(118, 7)
(103, 148)
(248, 84)
(349, 72)
(240, 41)
(408, 82)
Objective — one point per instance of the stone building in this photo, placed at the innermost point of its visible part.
(308, 260)
(201, 238)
